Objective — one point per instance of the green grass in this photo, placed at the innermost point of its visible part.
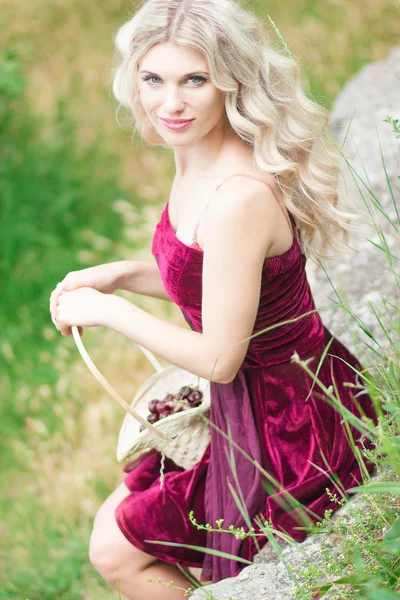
(58, 215)
(64, 166)
(49, 554)
(57, 212)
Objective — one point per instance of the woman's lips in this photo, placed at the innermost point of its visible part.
(176, 126)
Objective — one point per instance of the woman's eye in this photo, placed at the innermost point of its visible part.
(198, 77)
(201, 79)
(149, 77)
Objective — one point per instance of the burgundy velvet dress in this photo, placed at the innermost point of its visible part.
(274, 414)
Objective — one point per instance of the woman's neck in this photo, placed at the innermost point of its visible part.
(212, 156)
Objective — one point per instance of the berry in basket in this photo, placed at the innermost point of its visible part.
(186, 398)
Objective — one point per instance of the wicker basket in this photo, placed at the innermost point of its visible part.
(182, 436)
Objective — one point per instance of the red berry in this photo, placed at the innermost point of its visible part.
(195, 403)
(185, 391)
(152, 418)
(195, 398)
(153, 405)
(160, 405)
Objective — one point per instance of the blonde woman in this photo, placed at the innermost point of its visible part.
(254, 195)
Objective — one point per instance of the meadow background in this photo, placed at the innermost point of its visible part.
(78, 190)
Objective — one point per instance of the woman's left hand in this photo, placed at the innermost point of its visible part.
(83, 307)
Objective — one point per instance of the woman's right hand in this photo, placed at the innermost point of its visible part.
(104, 278)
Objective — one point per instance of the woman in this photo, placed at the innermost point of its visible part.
(254, 194)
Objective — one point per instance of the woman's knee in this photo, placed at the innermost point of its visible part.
(113, 556)
(110, 553)
(103, 555)
(106, 537)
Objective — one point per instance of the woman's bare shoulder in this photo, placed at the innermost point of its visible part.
(257, 200)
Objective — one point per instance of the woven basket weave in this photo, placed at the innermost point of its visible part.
(182, 436)
(186, 429)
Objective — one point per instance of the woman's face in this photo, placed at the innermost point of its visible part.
(174, 83)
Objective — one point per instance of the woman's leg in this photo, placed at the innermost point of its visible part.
(119, 562)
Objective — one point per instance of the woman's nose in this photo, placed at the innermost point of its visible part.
(173, 101)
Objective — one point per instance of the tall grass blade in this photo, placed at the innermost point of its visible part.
(202, 549)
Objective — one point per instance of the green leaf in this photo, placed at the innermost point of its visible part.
(394, 531)
(381, 594)
(358, 562)
(391, 540)
(346, 580)
(201, 549)
(386, 487)
(392, 546)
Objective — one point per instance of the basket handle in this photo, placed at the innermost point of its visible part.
(113, 393)
(156, 364)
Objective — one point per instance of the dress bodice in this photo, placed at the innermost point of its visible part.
(272, 430)
(285, 295)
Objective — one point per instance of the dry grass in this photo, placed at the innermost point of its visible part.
(66, 49)
(69, 45)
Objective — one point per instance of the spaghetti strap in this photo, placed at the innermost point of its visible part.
(257, 178)
(262, 179)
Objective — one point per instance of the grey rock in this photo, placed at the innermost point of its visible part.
(274, 576)
(363, 276)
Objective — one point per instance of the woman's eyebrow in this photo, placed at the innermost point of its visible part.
(183, 76)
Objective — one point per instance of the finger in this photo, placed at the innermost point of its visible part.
(53, 306)
(54, 313)
(80, 331)
(64, 328)
(68, 331)
(58, 322)
(54, 302)
(54, 317)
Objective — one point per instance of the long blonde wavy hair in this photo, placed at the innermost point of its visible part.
(265, 102)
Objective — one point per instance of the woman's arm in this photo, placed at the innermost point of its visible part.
(180, 346)
(239, 231)
(142, 277)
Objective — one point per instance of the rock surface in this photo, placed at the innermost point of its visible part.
(272, 577)
(364, 275)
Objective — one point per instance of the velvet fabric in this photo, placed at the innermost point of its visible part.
(274, 414)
